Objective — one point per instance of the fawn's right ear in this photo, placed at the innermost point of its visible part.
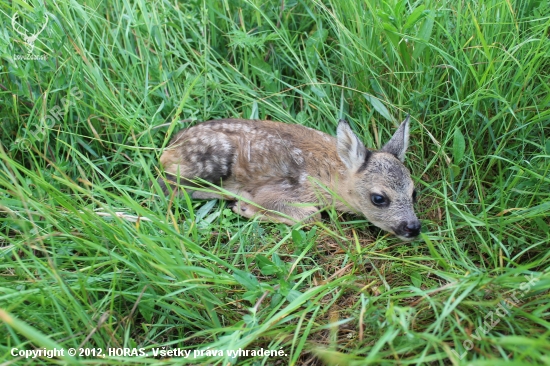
(351, 150)
(399, 142)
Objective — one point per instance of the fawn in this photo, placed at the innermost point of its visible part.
(288, 173)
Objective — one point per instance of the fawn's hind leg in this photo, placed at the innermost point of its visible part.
(183, 178)
(172, 184)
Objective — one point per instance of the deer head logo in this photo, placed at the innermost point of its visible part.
(28, 39)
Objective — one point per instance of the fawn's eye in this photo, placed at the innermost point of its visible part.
(414, 196)
(379, 200)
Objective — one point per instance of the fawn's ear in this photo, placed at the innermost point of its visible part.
(399, 142)
(351, 150)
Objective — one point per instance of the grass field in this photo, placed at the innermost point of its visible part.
(92, 256)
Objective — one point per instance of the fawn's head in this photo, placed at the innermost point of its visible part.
(377, 181)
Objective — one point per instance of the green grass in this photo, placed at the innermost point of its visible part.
(93, 256)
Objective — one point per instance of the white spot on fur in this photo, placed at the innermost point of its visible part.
(297, 155)
(226, 146)
(209, 140)
(286, 185)
(201, 149)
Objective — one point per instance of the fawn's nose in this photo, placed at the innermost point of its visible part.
(411, 229)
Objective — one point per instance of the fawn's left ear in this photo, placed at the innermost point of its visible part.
(351, 150)
(399, 142)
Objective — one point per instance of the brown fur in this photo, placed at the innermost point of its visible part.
(288, 173)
